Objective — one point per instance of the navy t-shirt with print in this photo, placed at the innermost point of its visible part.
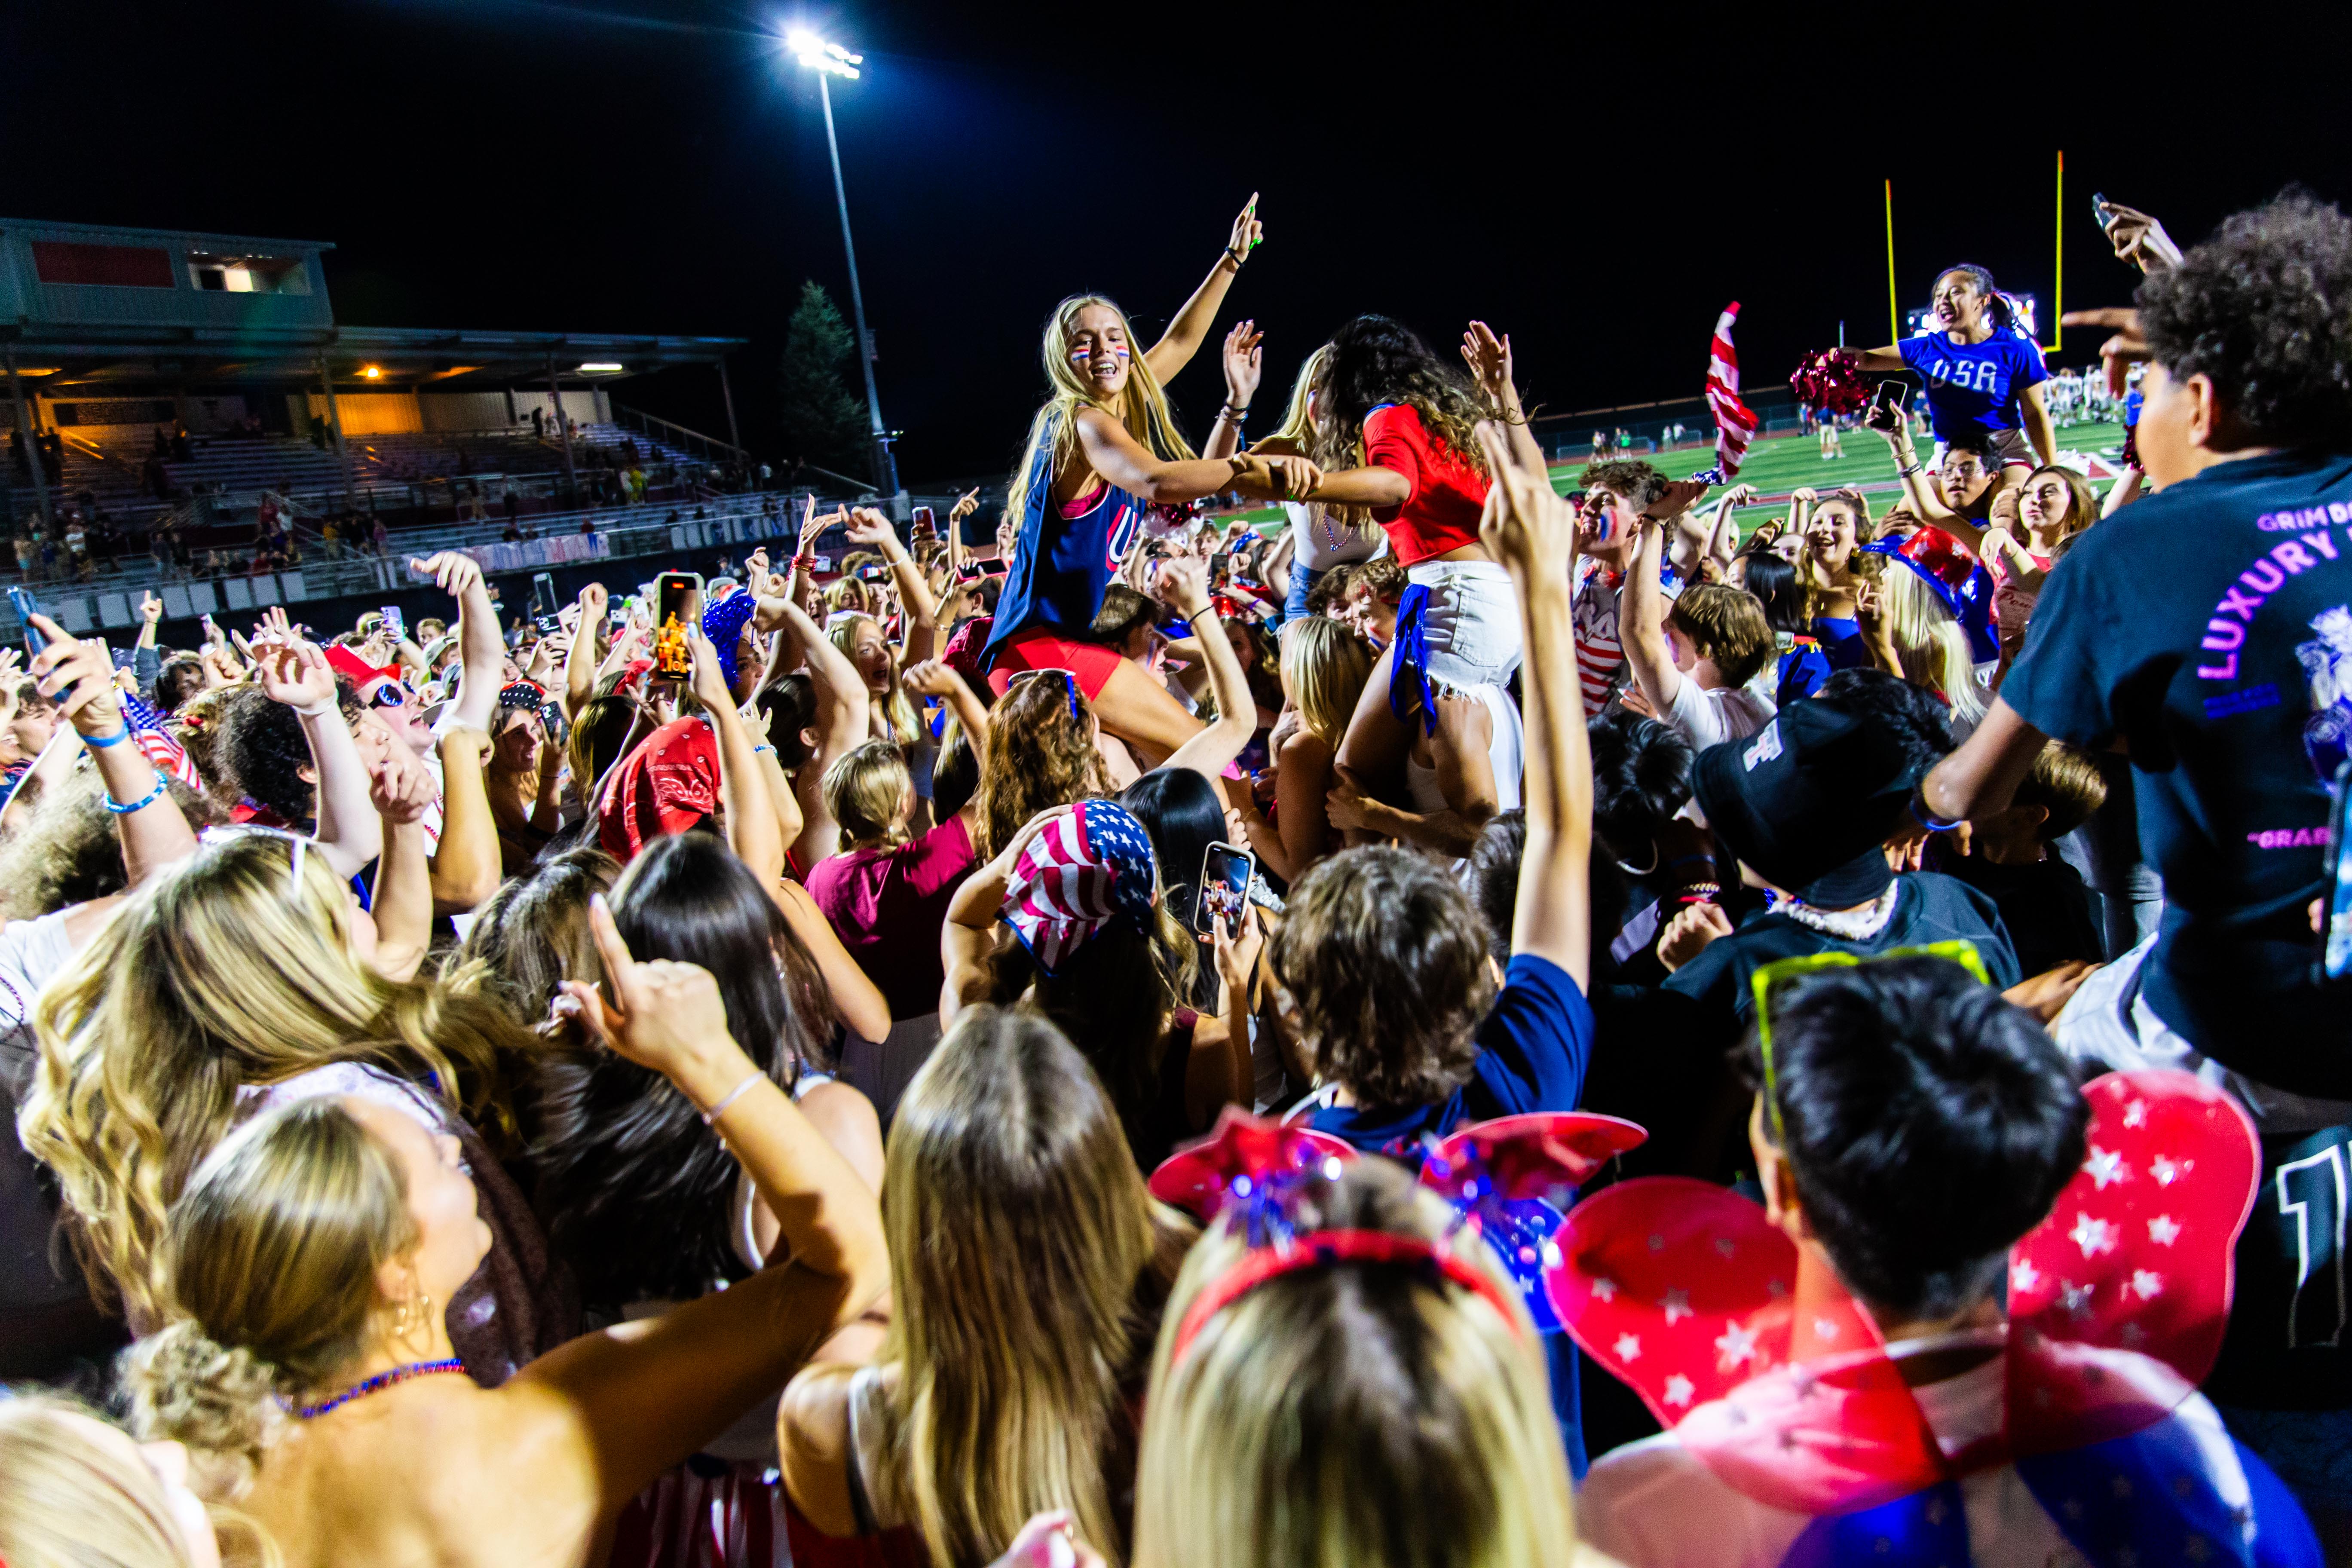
(1972, 388)
(1929, 908)
(2210, 627)
(1533, 1050)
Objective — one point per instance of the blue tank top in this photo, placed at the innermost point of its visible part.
(1061, 564)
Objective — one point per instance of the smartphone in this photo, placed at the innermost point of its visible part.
(393, 624)
(26, 609)
(677, 595)
(1225, 872)
(546, 610)
(2099, 208)
(1887, 408)
(971, 572)
(2335, 924)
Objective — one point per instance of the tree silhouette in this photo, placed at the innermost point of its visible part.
(822, 420)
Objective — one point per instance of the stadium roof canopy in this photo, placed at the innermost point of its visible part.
(118, 308)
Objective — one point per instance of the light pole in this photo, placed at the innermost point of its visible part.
(830, 60)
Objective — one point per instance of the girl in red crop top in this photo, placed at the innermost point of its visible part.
(1405, 417)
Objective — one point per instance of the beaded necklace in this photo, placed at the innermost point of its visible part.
(381, 1380)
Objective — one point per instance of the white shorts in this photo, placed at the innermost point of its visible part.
(1472, 627)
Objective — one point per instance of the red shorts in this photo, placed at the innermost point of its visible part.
(1039, 649)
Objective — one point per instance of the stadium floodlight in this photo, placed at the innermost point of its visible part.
(830, 60)
(601, 367)
(820, 55)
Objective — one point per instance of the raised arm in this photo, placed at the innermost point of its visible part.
(466, 862)
(1918, 493)
(2035, 416)
(1489, 359)
(644, 1394)
(80, 678)
(1529, 529)
(868, 526)
(348, 831)
(1184, 582)
(742, 789)
(1243, 361)
(579, 665)
(1121, 458)
(1982, 773)
(1887, 359)
(481, 650)
(1191, 326)
(402, 791)
(969, 935)
(857, 1000)
(1643, 630)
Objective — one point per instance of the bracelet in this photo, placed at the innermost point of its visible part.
(757, 750)
(804, 562)
(150, 798)
(1238, 257)
(1906, 473)
(1928, 819)
(102, 741)
(710, 1117)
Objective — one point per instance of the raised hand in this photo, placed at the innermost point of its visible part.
(868, 526)
(400, 788)
(594, 602)
(966, 504)
(2119, 353)
(1679, 496)
(2138, 238)
(1489, 359)
(1245, 362)
(453, 571)
(931, 678)
(297, 674)
(1183, 581)
(661, 1014)
(1526, 525)
(709, 680)
(78, 677)
(1248, 233)
(151, 607)
(1236, 951)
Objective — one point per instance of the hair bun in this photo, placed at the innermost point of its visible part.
(221, 1401)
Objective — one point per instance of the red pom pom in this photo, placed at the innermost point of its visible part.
(1831, 380)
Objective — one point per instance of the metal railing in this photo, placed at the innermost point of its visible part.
(710, 449)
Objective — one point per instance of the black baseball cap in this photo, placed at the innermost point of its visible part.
(1808, 802)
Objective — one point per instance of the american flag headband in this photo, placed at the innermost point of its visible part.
(1330, 1248)
(231, 832)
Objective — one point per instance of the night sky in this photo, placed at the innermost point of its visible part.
(1597, 182)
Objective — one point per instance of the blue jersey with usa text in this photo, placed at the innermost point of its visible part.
(1061, 564)
(1972, 388)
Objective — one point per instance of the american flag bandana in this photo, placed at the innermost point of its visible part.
(157, 744)
(1081, 870)
(1735, 423)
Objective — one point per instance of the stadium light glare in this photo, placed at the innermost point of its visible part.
(601, 367)
(820, 55)
(372, 372)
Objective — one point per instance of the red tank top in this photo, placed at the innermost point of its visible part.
(1448, 494)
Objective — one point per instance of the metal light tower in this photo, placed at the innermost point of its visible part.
(829, 60)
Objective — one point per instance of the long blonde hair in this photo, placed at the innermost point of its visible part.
(1143, 405)
(229, 970)
(898, 708)
(75, 1500)
(1297, 427)
(1027, 1263)
(1324, 668)
(1359, 1413)
(273, 1254)
(1930, 644)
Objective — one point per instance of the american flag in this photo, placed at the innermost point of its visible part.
(159, 745)
(1735, 423)
(1081, 870)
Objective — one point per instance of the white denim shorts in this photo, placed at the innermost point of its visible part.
(1473, 624)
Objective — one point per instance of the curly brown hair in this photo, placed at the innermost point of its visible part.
(1375, 360)
(1041, 755)
(1638, 482)
(2262, 307)
(1385, 957)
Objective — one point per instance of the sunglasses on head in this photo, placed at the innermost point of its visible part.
(1070, 677)
(1769, 983)
(226, 833)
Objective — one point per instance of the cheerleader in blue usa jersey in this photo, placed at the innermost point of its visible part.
(1983, 370)
(1102, 452)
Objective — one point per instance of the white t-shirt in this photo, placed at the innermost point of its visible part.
(1708, 716)
(31, 955)
(1653, 1504)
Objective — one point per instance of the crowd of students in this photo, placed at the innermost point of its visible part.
(1143, 1041)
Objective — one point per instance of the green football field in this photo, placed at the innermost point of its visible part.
(1778, 467)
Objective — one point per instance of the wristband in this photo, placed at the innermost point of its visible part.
(102, 741)
(804, 562)
(757, 750)
(710, 1117)
(1238, 257)
(1928, 819)
(1906, 473)
(150, 798)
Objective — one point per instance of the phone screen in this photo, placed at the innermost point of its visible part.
(677, 595)
(2335, 957)
(546, 613)
(971, 572)
(1225, 871)
(393, 624)
(26, 609)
